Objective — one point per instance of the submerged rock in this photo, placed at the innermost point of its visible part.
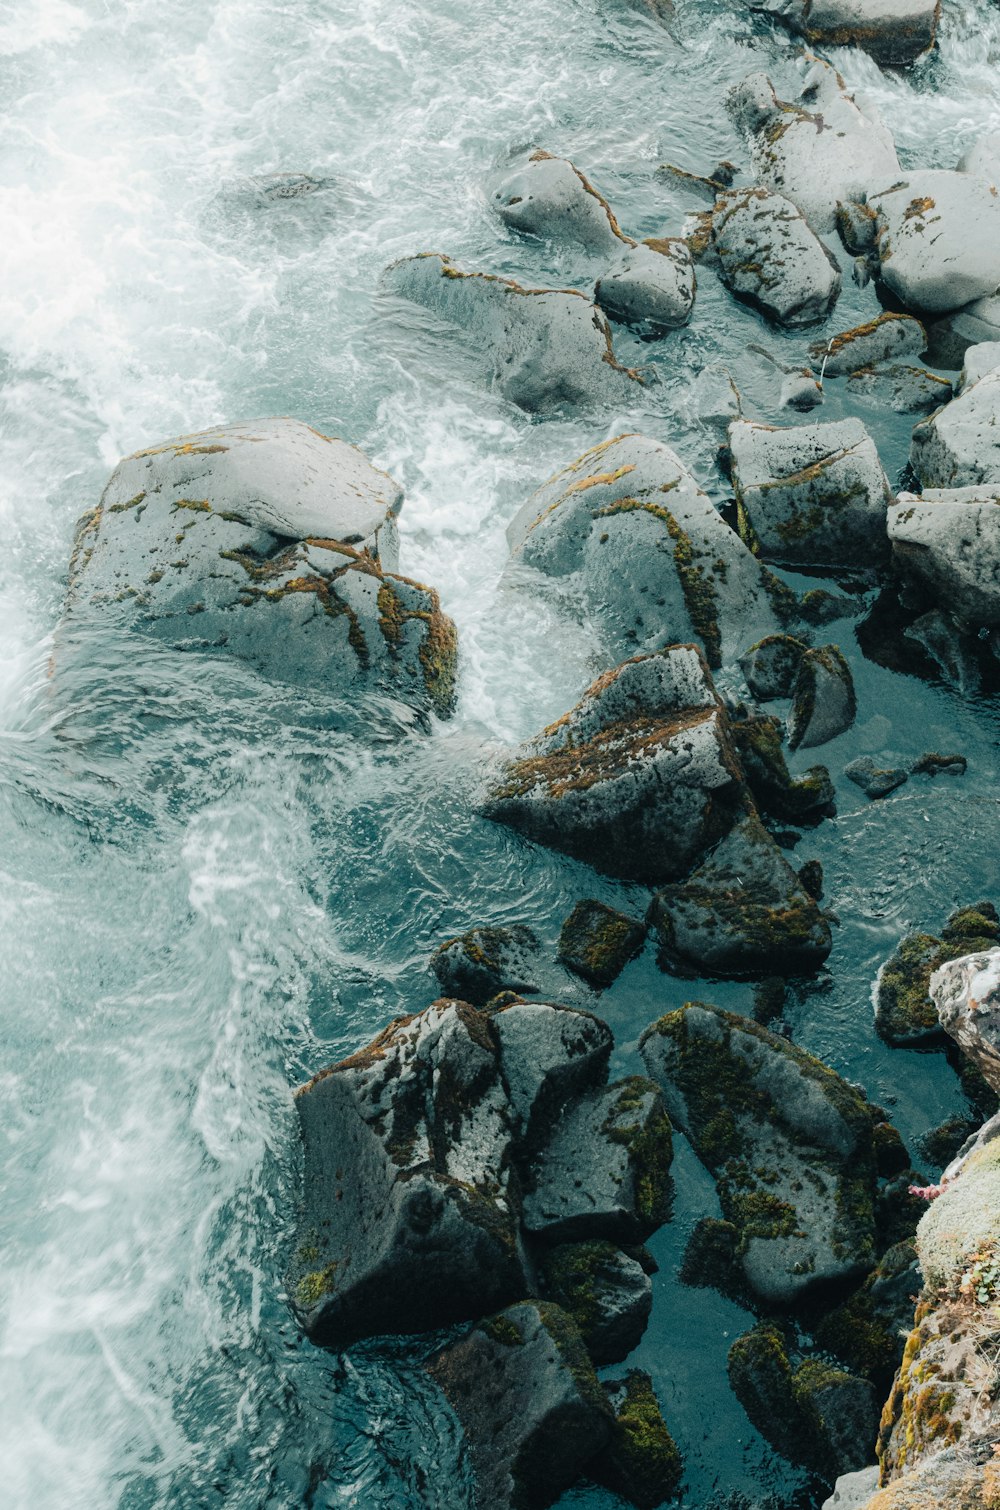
(544, 349)
(951, 335)
(881, 340)
(810, 494)
(903, 389)
(938, 238)
(818, 150)
(606, 1292)
(769, 257)
(874, 780)
(269, 542)
(485, 961)
(959, 446)
(597, 942)
(626, 529)
(895, 32)
(641, 1463)
(823, 700)
(947, 543)
(788, 1142)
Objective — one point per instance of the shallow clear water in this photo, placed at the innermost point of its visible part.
(211, 888)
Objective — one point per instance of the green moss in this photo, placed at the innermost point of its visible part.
(312, 1287)
(904, 1011)
(596, 942)
(642, 1463)
(501, 1329)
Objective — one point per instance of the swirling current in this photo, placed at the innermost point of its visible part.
(212, 887)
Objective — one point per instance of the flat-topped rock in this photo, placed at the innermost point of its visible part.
(959, 445)
(900, 387)
(894, 32)
(881, 340)
(627, 530)
(947, 541)
(547, 197)
(938, 238)
(770, 258)
(795, 799)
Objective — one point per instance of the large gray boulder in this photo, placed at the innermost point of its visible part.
(627, 530)
(542, 348)
(788, 1143)
(269, 542)
(894, 32)
(880, 340)
(637, 779)
(979, 360)
(983, 157)
(769, 257)
(548, 197)
(812, 493)
(959, 445)
(821, 149)
(966, 992)
(948, 542)
(938, 238)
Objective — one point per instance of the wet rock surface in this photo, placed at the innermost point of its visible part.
(823, 699)
(905, 1010)
(651, 286)
(485, 961)
(641, 1463)
(957, 447)
(769, 257)
(606, 1291)
(882, 340)
(597, 942)
(894, 32)
(938, 241)
(947, 543)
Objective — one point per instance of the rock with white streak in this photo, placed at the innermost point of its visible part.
(769, 257)
(882, 340)
(938, 238)
(947, 541)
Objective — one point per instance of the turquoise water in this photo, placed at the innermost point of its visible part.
(210, 888)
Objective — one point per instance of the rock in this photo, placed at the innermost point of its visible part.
(941, 1144)
(761, 1377)
(788, 1142)
(485, 961)
(874, 780)
(770, 258)
(769, 999)
(980, 359)
(810, 494)
(693, 183)
(817, 606)
(949, 337)
(543, 349)
(597, 942)
(905, 1012)
(947, 543)
(894, 32)
(604, 1170)
(868, 1330)
(852, 1491)
(938, 238)
(641, 1464)
(800, 391)
(821, 149)
(262, 540)
(637, 779)
(650, 287)
(803, 799)
(983, 157)
(958, 447)
(606, 1292)
(811, 880)
(931, 763)
(959, 1477)
(713, 397)
(742, 912)
(823, 702)
(858, 228)
(904, 390)
(966, 994)
(953, 653)
(529, 1402)
(549, 1055)
(626, 529)
(771, 666)
(841, 1411)
(548, 197)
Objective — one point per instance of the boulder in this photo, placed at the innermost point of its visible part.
(543, 349)
(743, 912)
(900, 388)
(770, 258)
(980, 359)
(695, 184)
(549, 198)
(641, 1463)
(966, 994)
(269, 542)
(800, 391)
(637, 779)
(906, 1014)
(810, 494)
(874, 780)
(529, 1402)
(823, 700)
(597, 942)
(950, 336)
(485, 961)
(626, 529)
(713, 398)
(894, 32)
(868, 1330)
(959, 446)
(963, 1476)
(607, 1293)
(800, 799)
(651, 286)
(938, 238)
(933, 763)
(947, 543)
(549, 1056)
(983, 157)
(852, 1491)
(771, 666)
(788, 1143)
(821, 149)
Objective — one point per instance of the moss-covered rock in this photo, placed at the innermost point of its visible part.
(868, 1330)
(771, 665)
(769, 257)
(905, 1014)
(641, 1462)
(824, 702)
(597, 942)
(483, 962)
(800, 799)
(607, 1293)
(874, 780)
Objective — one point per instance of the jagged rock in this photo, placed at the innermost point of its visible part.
(637, 779)
(966, 994)
(983, 157)
(606, 1292)
(788, 1142)
(905, 1012)
(938, 238)
(641, 1464)
(550, 198)
(544, 349)
(823, 700)
(895, 32)
(604, 1170)
(529, 1402)
(263, 540)
(742, 912)
(770, 258)
(800, 799)
(868, 1330)
(980, 359)
(947, 541)
(626, 527)
(959, 446)
(940, 1145)
(548, 1056)
(818, 150)
(597, 942)
(485, 961)
(949, 338)
(771, 666)
(904, 390)
(651, 286)
(812, 494)
(874, 780)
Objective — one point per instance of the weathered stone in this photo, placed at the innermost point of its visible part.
(873, 779)
(852, 1491)
(742, 912)
(801, 391)
(948, 543)
(529, 1402)
(597, 942)
(626, 529)
(637, 779)
(823, 700)
(966, 994)
(959, 446)
(895, 32)
(938, 238)
(607, 1293)
(788, 1142)
(905, 1011)
(812, 494)
(983, 157)
(858, 228)
(933, 763)
(771, 666)
(544, 349)
(485, 961)
(818, 150)
(604, 1170)
(548, 1056)
(641, 1464)
(548, 197)
(769, 257)
(964, 1476)
(193, 545)
(801, 799)
(980, 359)
(695, 184)
(651, 286)
(903, 389)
